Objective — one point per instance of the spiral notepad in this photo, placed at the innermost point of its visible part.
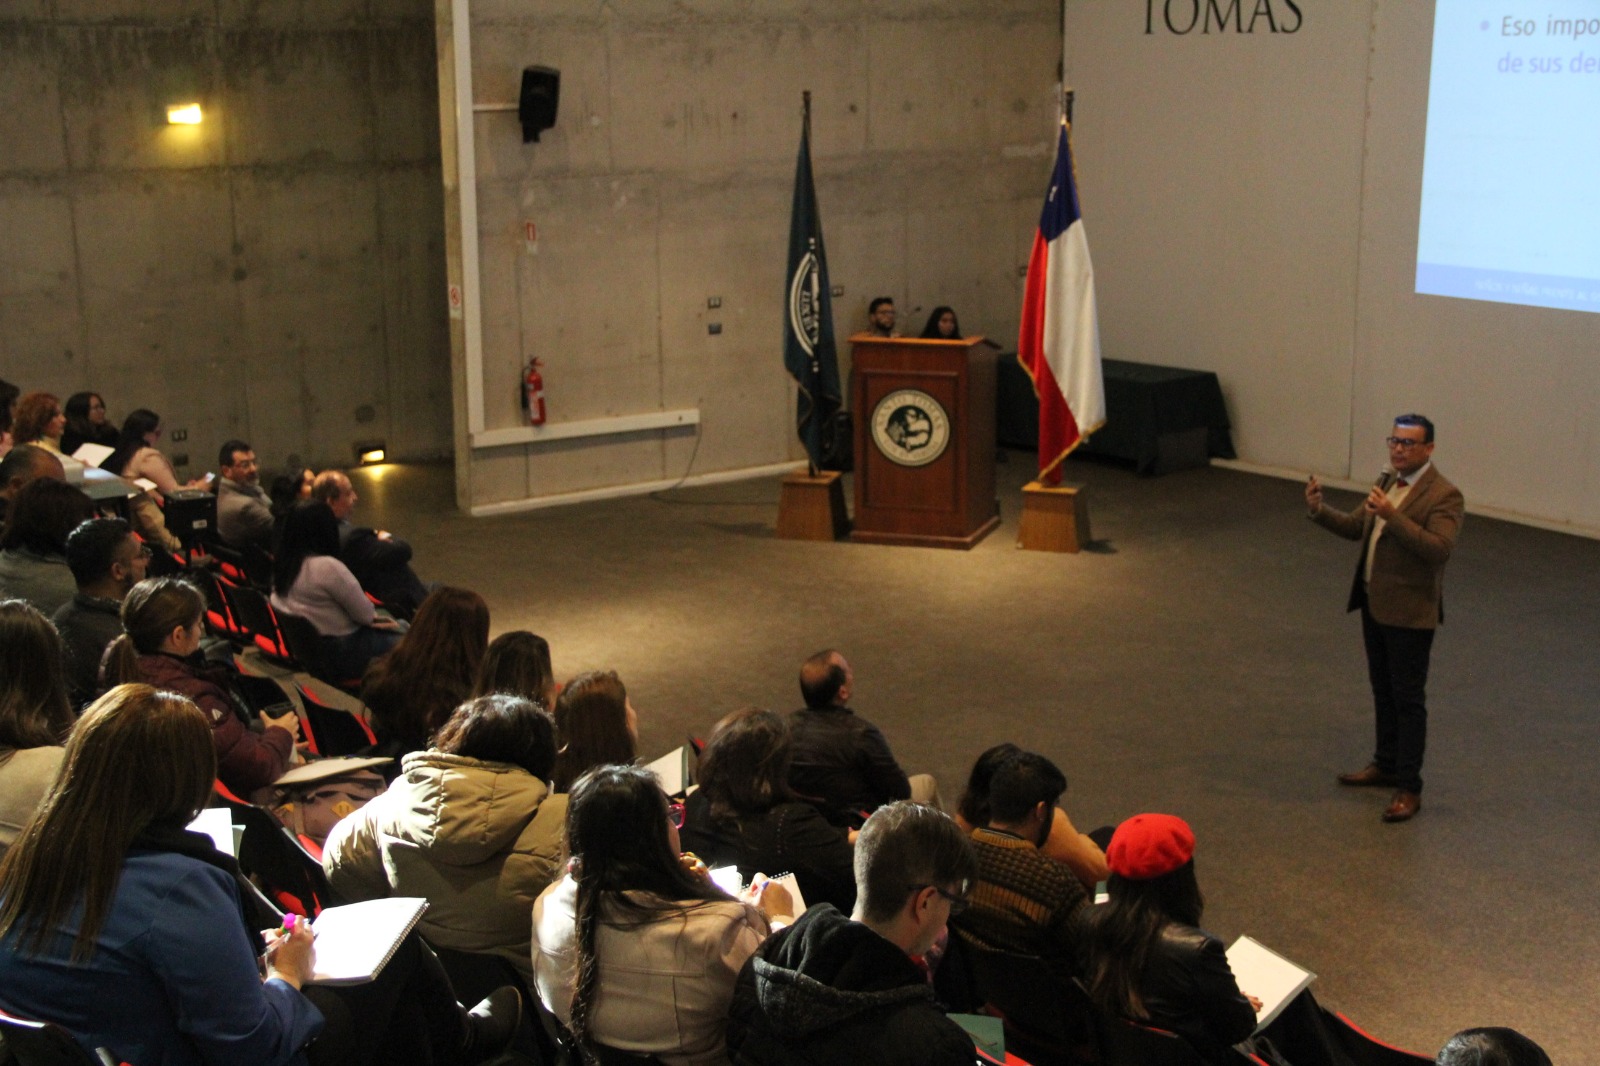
(355, 941)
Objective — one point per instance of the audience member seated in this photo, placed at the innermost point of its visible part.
(87, 423)
(841, 762)
(518, 664)
(33, 546)
(34, 714)
(308, 580)
(634, 949)
(595, 725)
(837, 989)
(414, 688)
(291, 488)
(106, 561)
(40, 422)
(163, 619)
(23, 464)
(138, 457)
(8, 415)
(127, 930)
(1022, 902)
(744, 815)
(942, 325)
(380, 560)
(468, 826)
(244, 514)
(1147, 959)
(1493, 1046)
(1064, 844)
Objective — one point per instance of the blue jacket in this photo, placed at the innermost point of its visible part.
(173, 980)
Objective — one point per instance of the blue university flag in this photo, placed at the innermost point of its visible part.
(808, 351)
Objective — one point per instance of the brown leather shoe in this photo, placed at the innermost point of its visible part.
(1403, 806)
(1371, 777)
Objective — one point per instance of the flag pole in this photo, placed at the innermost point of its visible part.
(805, 120)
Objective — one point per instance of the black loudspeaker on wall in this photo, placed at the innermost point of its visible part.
(541, 91)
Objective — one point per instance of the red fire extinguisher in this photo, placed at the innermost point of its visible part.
(533, 393)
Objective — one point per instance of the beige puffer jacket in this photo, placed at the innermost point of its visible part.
(479, 840)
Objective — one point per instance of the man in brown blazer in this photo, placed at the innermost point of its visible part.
(1407, 527)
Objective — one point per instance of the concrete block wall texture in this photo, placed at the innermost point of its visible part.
(668, 180)
(275, 273)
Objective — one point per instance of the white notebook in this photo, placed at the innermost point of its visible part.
(1268, 976)
(355, 941)
(727, 878)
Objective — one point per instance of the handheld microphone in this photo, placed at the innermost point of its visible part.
(1386, 477)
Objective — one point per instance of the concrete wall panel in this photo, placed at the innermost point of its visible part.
(39, 324)
(264, 14)
(30, 125)
(276, 272)
(116, 83)
(299, 98)
(157, 271)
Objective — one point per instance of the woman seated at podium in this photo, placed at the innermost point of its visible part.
(942, 325)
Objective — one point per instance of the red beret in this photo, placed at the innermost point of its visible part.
(1149, 845)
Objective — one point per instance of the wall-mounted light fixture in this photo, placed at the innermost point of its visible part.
(370, 452)
(183, 114)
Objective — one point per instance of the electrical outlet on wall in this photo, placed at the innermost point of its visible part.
(178, 434)
(713, 302)
(714, 328)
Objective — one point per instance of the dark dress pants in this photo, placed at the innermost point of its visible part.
(1397, 663)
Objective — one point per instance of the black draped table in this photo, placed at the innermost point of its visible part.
(1158, 418)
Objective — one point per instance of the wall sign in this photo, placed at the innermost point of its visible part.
(1183, 17)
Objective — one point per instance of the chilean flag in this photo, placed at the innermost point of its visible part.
(1059, 345)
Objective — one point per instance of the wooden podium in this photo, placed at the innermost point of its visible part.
(924, 441)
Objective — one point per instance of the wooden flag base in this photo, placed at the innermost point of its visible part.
(1055, 518)
(812, 508)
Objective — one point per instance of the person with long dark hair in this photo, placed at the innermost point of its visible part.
(469, 825)
(518, 664)
(635, 948)
(308, 580)
(33, 544)
(87, 423)
(942, 325)
(137, 456)
(595, 725)
(129, 931)
(414, 688)
(163, 619)
(1147, 957)
(744, 815)
(35, 713)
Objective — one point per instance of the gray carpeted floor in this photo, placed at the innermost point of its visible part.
(1199, 661)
